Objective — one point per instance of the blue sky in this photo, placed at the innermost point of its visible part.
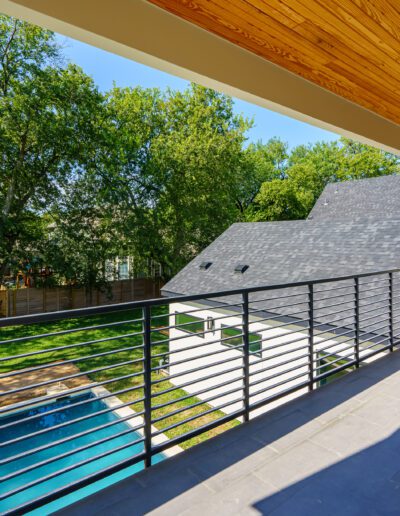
(106, 68)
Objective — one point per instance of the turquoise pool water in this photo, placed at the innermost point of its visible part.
(45, 421)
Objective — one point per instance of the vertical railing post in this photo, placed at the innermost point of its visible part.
(147, 383)
(311, 335)
(357, 320)
(391, 311)
(246, 355)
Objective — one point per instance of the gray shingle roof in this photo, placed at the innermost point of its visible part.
(357, 232)
(378, 196)
(280, 252)
(284, 252)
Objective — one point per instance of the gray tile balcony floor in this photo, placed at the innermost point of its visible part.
(334, 451)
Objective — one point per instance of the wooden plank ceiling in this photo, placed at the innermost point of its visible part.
(350, 47)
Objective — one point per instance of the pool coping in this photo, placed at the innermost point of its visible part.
(136, 420)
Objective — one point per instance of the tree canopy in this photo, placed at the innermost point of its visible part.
(86, 176)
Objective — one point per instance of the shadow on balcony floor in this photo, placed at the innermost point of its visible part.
(333, 451)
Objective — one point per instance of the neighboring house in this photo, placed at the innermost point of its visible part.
(346, 234)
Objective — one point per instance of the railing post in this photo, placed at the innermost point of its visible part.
(311, 335)
(147, 383)
(246, 355)
(357, 320)
(391, 311)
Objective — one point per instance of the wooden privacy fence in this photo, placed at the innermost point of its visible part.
(27, 301)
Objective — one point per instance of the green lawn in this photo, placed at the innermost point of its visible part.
(121, 354)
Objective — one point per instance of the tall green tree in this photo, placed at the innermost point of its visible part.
(177, 157)
(48, 122)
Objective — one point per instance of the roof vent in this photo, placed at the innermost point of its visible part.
(241, 268)
(326, 202)
(205, 265)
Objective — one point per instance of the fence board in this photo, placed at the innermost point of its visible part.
(26, 301)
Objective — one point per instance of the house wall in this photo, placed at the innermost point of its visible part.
(278, 348)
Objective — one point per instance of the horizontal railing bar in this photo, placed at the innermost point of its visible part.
(330, 314)
(197, 357)
(279, 395)
(69, 314)
(61, 379)
(202, 379)
(335, 371)
(364, 327)
(337, 360)
(69, 453)
(280, 316)
(287, 334)
(69, 346)
(362, 292)
(196, 394)
(189, 335)
(325, 290)
(280, 364)
(374, 281)
(66, 332)
(190, 347)
(280, 373)
(279, 355)
(270, 309)
(159, 448)
(46, 446)
(341, 303)
(334, 354)
(341, 296)
(384, 307)
(197, 404)
(374, 344)
(200, 368)
(331, 322)
(335, 344)
(69, 361)
(71, 422)
(179, 326)
(366, 298)
(66, 407)
(266, 299)
(38, 502)
(291, 323)
(373, 331)
(283, 382)
(376, 351)
(196, 416)
(74, 390)
(71, 467)
(281, 344)
(335, 335)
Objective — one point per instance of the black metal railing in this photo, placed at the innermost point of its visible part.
(88, 393)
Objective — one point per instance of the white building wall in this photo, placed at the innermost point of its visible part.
(203, 373)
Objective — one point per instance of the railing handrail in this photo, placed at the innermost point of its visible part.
(70, 314)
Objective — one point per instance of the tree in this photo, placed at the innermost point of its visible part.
(261, 162)
(48, 123)
(80, 238)
(308, 169)
(177, 159)
(277, 200)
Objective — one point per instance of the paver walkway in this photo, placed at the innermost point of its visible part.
(335, 451)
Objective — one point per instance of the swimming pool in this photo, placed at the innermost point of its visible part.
(70, 412)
